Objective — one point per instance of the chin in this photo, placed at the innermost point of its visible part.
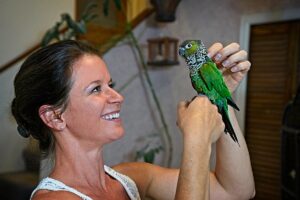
(117, 135)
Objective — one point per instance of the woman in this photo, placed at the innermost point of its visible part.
(64, 99)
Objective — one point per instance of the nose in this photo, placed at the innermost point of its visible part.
(115, 97)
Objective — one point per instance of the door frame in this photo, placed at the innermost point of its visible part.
(246, 22)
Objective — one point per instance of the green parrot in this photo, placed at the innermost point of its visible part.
(208, 80)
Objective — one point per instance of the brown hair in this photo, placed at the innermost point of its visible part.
(45, 79)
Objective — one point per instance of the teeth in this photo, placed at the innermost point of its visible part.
(111, 116)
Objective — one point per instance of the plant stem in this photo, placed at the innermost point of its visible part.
(149, 82)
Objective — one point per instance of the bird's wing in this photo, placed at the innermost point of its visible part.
(213, 78)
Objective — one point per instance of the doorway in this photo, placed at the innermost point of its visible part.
(272, 83)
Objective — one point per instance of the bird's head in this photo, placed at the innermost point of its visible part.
(193, 51)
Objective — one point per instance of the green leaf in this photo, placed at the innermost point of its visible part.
(149, 157)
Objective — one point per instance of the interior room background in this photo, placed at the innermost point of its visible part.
(23, 24)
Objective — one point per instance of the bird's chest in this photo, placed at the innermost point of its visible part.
(197, 83)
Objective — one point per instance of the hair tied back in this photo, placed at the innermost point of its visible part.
(23, 131)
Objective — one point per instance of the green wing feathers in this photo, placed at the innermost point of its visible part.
(213, 79)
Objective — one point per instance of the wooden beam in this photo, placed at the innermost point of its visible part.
(19, 58)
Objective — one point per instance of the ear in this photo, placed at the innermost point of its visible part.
(52, 117)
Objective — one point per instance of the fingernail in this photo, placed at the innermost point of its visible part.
(209, 55)
(218, 57)
(225, 63)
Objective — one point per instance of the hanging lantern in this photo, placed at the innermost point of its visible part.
(163, 51)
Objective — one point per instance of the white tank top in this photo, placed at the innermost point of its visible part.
(55, 185)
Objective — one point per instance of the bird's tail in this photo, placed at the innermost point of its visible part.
(228, 127)
(232, 104)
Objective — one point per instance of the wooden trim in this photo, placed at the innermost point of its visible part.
(141, 17)
(246, 22)
(23, 55)
(293, 57)
(19, 58)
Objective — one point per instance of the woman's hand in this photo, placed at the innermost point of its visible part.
(199, 118)
(232, 62)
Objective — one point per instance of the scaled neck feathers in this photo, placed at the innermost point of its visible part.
(198, 59)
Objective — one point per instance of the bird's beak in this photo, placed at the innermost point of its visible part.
(181, 51)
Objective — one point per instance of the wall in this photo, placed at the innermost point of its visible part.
(23, 24)
(209, 20)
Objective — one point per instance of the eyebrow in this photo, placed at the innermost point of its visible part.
(98, 82)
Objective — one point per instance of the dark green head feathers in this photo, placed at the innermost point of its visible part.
(194, 52)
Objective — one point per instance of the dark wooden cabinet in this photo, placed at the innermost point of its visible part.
(290, 156)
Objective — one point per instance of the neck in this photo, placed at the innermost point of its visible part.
(199, 61)
(194, 69)
(78, 166)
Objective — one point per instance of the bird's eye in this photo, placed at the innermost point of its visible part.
(188, 46)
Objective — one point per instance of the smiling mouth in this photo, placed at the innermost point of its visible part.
(111, 116)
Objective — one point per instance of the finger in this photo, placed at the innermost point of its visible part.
(211, 52)
(235, 58)
(223, 69)
(196, 97)
(241, 67)
(226, 51)
(199, 100)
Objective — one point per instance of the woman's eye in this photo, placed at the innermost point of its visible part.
(112, 84)
(96, 89)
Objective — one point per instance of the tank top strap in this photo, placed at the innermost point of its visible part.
(55, 185)
(127, 183)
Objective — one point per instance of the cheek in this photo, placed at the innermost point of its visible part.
(84, 113)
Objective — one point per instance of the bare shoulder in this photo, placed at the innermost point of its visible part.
(148, 177)
(51, 195)
(138, 170)
(130, 167)
(141, 169)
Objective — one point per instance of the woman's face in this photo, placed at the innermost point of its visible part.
(93, 110)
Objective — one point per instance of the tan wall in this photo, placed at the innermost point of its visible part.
(23, 24)
(209, 20)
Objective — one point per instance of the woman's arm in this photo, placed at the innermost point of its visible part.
(233, 178)
(200, 124)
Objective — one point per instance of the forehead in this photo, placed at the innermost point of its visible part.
(89, 68)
